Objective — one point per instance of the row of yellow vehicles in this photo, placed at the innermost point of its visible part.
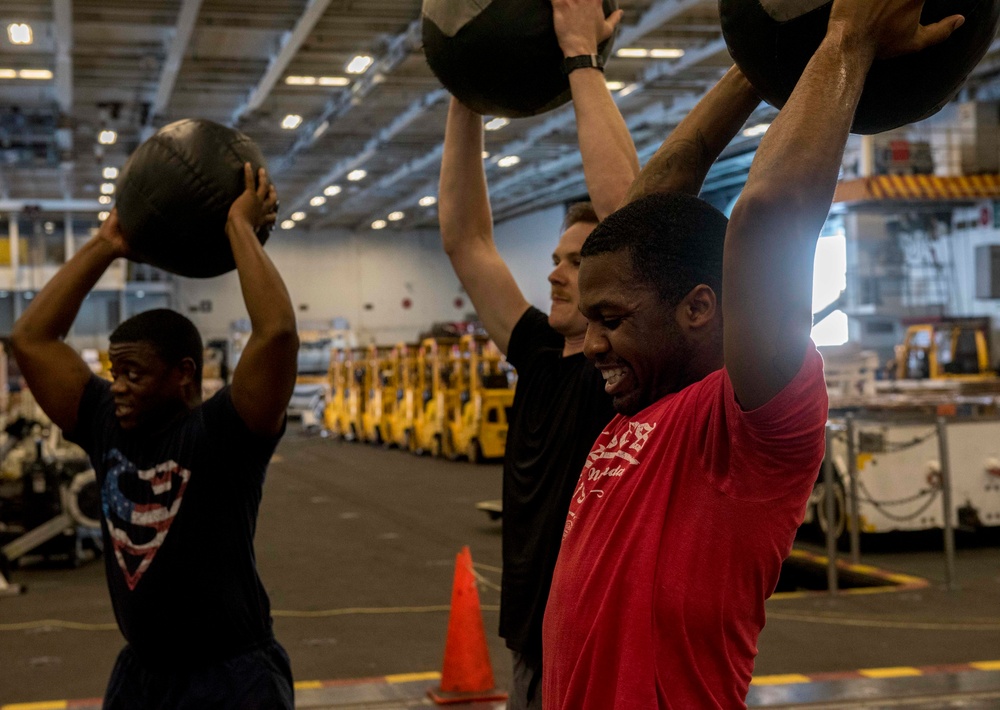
(444, 396)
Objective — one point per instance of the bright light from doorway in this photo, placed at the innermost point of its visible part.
(829, 280)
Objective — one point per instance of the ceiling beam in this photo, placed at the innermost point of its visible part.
(380, 139)
(62, 11)
(399, 47)
(290, 43)
(658, 14)
(63, 205)
(186, 19)
(561, 118)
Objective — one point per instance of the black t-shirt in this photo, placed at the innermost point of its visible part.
(180, 511)
(560, 408)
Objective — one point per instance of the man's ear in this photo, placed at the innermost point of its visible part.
(699, 307)
(189, 370)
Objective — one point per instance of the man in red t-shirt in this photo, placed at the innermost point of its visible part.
(690, 498)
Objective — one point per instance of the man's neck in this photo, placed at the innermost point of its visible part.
(573, 344)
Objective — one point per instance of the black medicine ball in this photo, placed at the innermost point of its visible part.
(772, 41)
(499, 57)
(174, 195)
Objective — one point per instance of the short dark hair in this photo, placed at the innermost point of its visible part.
(173, 336)
(579, 212)
(674, 242)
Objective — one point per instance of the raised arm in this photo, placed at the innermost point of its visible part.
(683, 161)
(53, 371)
(610, 162)
(771, 240)
(265, 375)
(467, 227)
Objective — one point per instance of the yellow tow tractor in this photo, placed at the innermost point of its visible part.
(433, 395)
(400, 422)
(949, 349)
(335, 414)
(380, 393)
(477, 424)
(356, 366)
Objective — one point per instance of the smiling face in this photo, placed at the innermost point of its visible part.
(145, 387)
(633, 337)
(564, 316)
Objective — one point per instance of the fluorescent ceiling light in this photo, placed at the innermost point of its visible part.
(300, 80)
(508, 161)
(428, 201)
(496, 124)
(615, 85)
(320, 130)
(396, 216)
(107, 137)
(360, 64)
(334, 81)
(486, 154)
(668, 53)
(379, 224)
(104, 199)
(8, 74)
(42, 74)
(758, 130)
(317, 201)
(19, 33)
(107, 188)
(110, 173)
(356, 175)
(628, 89)
(291, 121)
(332, 190)
(288, 224)
(103, 215)
(298, 216)
(632, 52)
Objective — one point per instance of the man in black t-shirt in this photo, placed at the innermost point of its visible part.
(180, 479)
(560, 406)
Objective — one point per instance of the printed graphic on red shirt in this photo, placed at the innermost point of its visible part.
(608, 462)
(140, 506)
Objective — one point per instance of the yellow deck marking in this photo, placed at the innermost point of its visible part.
(409, 677)
(786, 679)
(898, 672)
(986, 665)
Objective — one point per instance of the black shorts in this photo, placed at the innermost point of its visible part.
(260, 679)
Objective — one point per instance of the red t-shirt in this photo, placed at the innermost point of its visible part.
(675, 537)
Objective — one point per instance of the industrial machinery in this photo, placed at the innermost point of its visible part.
(380, 394)
(477, 422)
(952, 348)
(433, 394)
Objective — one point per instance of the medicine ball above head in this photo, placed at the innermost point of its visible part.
(174, 195)
(499, 57)
(772, 41)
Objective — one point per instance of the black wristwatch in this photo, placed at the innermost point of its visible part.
(582, 61)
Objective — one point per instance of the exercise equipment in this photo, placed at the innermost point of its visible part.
(175, 191)
(772, 41)
(499, 57)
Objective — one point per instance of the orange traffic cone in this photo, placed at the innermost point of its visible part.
(467, 675)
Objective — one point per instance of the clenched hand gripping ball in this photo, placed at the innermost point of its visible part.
(772, 41)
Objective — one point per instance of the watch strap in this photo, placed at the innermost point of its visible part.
(582, 61)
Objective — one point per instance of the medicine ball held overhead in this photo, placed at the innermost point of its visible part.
(772, 41)
(499, 57)
(175, 191)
